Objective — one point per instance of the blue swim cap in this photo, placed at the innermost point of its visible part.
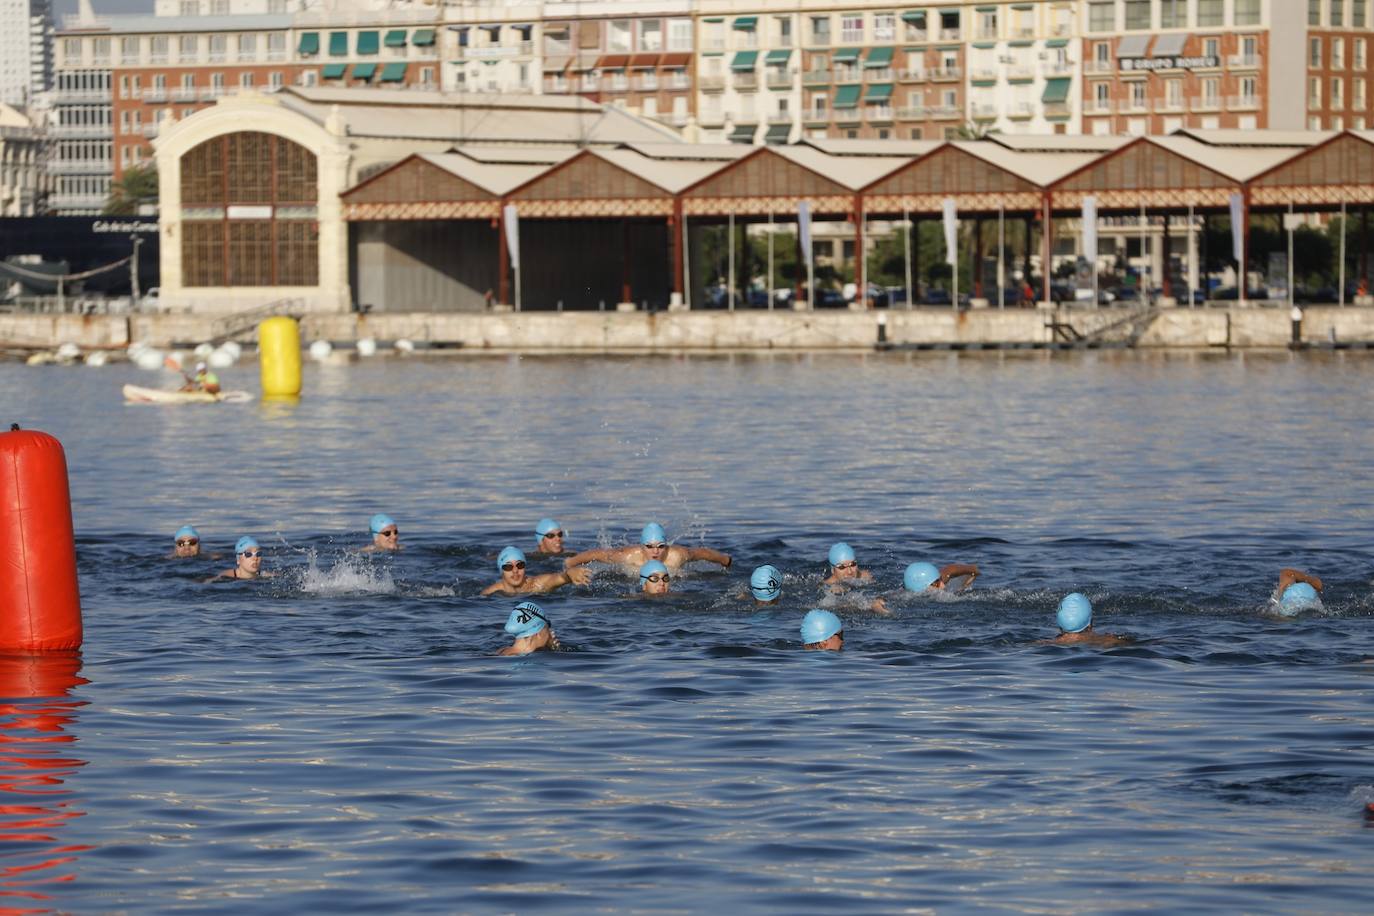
(1075, 613)
(841, 553)
(380, 521)
(818, 626)
(766, 583)
(510, 555)
(918, 576)
(526, 620)
(650, 568)
(1298, 597)
(243, 544)
(544, 527)
(186, 531)
(653, 533)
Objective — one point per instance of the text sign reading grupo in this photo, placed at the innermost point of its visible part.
(245, 211)
(1169, 63)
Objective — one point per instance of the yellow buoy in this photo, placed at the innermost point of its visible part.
(279, 346)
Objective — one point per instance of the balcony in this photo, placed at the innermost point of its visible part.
(982, 75)
(1099, 67)
(1252, 103)
(1169, 106)
(848, 116)
(73, 96)
(497, 52)
(879, 75)
(158, 57)
(646, 83)
(217, 57)
(1248, 62)
(912, 113)
(149, 130)
(184, 94)
(70, 202)
(779, 79)
(945, 112)
(816, 78)
(1021, 111)
(1135, 106)
(1098, 106)
(1059, 68)
(780, 117)
(1020, 73)
(128, 60)
(1062, 29)
(746, 82)
(851, 36)
(678, 81)
(985, 112)
(79, 167)
(674, 118)
(878, 113)
(911, 76)
(555, 85)
(951, 35)
(1023, 32)
(915, 35)
(1206, 103)
(1058, 111)
(247, 57)
(275, 55)
(985, 35)
(590, 84)
(711, 83)
(82, 131)
(618, 83)
(946, 74)
(155, 95)
(817, 116)
(713, 44)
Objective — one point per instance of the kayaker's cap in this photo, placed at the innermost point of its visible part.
(766, 583)
(919, 576)
(819, 625)
(1075, 613)
(526, 620)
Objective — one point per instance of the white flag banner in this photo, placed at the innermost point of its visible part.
(804, 228)
(1237, 227)
(951, 232)
(511, 219)
(1090, 229)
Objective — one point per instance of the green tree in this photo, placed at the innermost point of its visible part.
(136, 188)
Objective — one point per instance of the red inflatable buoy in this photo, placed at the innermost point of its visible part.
(40, 605)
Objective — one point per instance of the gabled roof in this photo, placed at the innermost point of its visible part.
(1237, 163)
(853, 172)
(1041, 168)
(1255, 138)
(720, 152)
(847, 147)
(1058, 143)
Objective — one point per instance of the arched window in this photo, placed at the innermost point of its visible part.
(248, 213)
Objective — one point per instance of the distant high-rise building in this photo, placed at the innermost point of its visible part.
(26, 29)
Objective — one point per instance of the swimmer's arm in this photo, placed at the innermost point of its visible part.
(955, 571)
(550, 581)
(709, 555)
(595, 555)
(507, 650)
(494, 588)
(226, 574)
(1288, 576)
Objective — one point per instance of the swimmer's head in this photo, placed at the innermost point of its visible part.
(820, 627)
(248, 555)
(379, 521)
(1298, 597)
(841, 558)
(526, 620)
(245, 543)
(511, 563)
(919, 576)
(654, 577)
(549, 536)
(186, 541)
(766, 583)
(1075, 613)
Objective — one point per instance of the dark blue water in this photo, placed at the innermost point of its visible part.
(340, 738)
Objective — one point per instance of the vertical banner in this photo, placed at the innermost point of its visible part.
(1237, 228)
(951, 232)
(804, 228)
(1090, 230)
(512, 225)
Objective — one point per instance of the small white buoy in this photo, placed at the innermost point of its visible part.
(367, 346)
(204, 350)
(221, 359)
(233, 348)
(39, 359)
(97, 359)
(149, 359)
(135, 348)
(404, 346)
(320, 350)
(68, 351)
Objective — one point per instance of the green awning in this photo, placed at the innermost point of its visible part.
(878, 92)
(338, 44)
(745, 23)
(1023, 7)
(744, 61)
(396, 38)
(394, 72)
(1057, 89)
(743, 133)
(985, 9)
(985, 45)
(1021, 43)
(847, 97)
(367, 42)
(913, 16)
(714, 19)
(778, 58)
(949, 47)
(310, 43)
(1057, 43)
(846, 55)
(777, 133)
(421, 38)
(364, 71)
(879, 57)
(333, 71)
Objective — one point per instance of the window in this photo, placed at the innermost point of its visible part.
(914, 25)
(276, 46)
(679, 34)
(987, 24)
(1102, 53)
(157, 47)
(783, 27)
(218, 45)
(949, 24)
(101, 48)
(651, 35)
(1247, 12)
(1138, 95)
(246, 80)
(820, 30)
(1359, 48)
(1211, 91)
(884, 27)
(248, 47)
(1137, 14)
(1102, 96)
(1337, 14)
(618, 38)
(1357, 16)
(219, 7)
(1337, 92)
(71, 48)
(852, 29)
(1102, 16)
(1211, 47)
(1249, 48)
(1338, 54)
(1173, 14)
(1210, 12)
(1314, 53)
(186, 47)
(217, 81)
(1314, 93)
(1358, 92)
(188, 81)
(1173, 93)
(190, 7)
(128, 49)
(1314, 17)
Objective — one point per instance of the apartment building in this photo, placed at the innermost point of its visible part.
(23, 183)
(26, 28)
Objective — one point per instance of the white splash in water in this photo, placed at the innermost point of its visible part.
(350, 575)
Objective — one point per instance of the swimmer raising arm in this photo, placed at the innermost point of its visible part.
(1288, 576)
(653, 545)
(967, 571)
(514, 581)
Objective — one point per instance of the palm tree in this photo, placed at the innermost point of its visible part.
(973, 130)
(136, 188)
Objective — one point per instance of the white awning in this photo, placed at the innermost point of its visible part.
(1132, 46)
(1169, 45)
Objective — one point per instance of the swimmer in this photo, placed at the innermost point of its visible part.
(203, 380)
(513, 580)
(248, 560)
(822, 631)
(549, 538)
(531, 629)
(844, 567)
(1075, 619)
(653, 545)
(655, 577)
(920, 577)
(186, 542)
(1297, 591)
(765, 584)
(385, 534)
